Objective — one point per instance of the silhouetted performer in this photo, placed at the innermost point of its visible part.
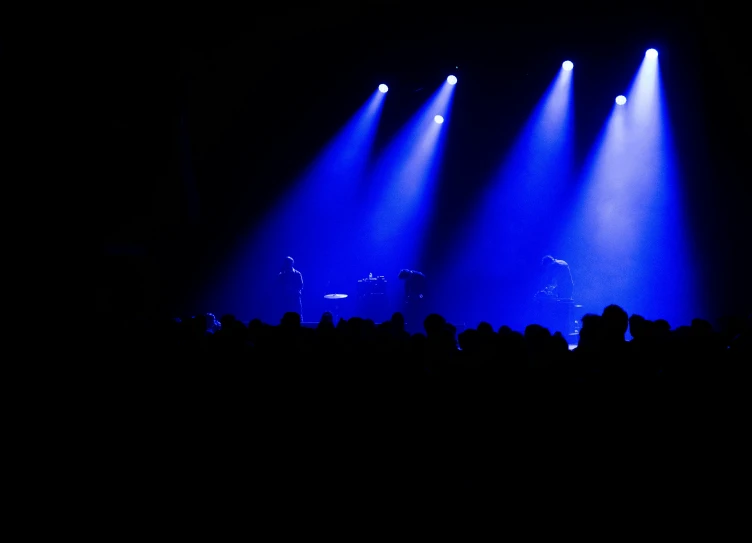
(554, 302)
(415, 298)
(557, 279)
(290, 285)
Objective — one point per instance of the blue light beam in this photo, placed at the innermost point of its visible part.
(401, 195)
(504, 238)
(627, 239)
(310, 222)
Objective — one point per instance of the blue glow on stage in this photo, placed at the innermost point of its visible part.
(312, 222)
(627, 238)
(402, 185)
(497, 253)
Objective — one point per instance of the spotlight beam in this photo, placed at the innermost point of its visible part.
(504, 232)
(403, 184)
(629, 228)
(240, 280)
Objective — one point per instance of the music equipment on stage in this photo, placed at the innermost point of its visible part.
(546, 294)
(372, 298)
(334, 300)
(372, 285)
(556, 314)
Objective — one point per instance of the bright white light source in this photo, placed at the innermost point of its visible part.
(383, 88)
(621, 100)
(451, 80)
(567, 65)
(438, 119)
(651, 54)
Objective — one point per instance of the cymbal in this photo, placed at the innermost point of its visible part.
(335, 296)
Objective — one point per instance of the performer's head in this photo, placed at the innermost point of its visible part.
(404, 274)
(287, 263)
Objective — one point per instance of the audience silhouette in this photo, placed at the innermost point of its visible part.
(355, 405)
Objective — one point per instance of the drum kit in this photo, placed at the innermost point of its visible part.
(334, 301)
(371, 296)
(335, 296)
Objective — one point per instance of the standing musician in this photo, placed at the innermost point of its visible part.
(290, 286)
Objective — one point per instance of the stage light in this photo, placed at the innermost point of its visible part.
(567, 65)
(621, 100)
(651, 54)
(383, 88)
(451, 80)
(438, 119)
